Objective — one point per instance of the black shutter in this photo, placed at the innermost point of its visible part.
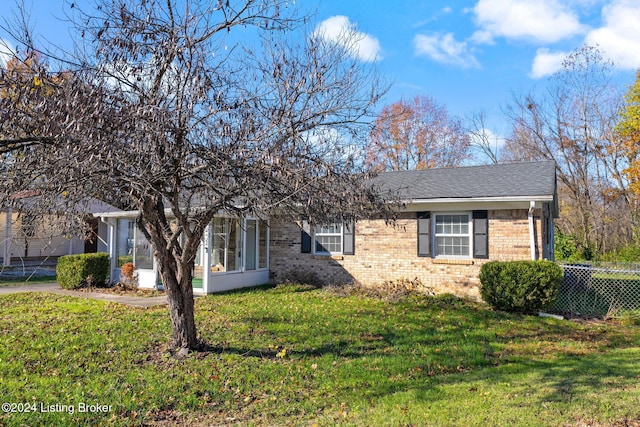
(480, 234)
(305, 239)
(348, 238)
(424, 234)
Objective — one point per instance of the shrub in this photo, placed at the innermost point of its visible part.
(75, 271)
(520, 286)
(625, 253)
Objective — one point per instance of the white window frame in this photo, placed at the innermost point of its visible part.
(339, 234)
(468, 235)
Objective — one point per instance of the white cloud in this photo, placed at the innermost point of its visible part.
(619, 37)
(487, 137)
(340, 30)
(445, 49)
(546, 63)
(6, 52)
(542, 21)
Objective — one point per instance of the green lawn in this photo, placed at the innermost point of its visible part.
(26, 280)
(295, 356)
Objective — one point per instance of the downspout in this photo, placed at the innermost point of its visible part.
(532, 231)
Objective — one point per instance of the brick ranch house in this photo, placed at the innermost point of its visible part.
(451, 221)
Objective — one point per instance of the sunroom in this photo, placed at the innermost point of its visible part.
(233, 253)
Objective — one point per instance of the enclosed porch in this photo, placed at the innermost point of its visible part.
(233, 253)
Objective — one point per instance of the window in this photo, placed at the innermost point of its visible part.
(336, 238)
(124, 241)
(226, 245)
(142, 252)
(263, 244)
(328, 238)
(28, 225)
(452, 235)
(251, 228)
(132, 246)
(256, 242)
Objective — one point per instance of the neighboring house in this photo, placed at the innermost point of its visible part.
(449, 223)
(26, 236)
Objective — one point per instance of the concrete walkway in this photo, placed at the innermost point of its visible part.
(54, 288)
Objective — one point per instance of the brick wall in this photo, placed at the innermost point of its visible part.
(389, 252)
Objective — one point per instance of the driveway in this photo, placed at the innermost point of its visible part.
(54, 288)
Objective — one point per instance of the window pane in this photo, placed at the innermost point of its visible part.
(329, 229)
(328, 238)
(234, 245)
(250, 258)
(452, 224)
(454, 246)
(124, 241)
(218, 244)
(263, 228)
(142, 257)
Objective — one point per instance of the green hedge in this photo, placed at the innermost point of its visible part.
(520, 286)
(75, 271)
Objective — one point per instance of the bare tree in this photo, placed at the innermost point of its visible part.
(416, 134)
(185, 110)
(485, 142)
(574, 124)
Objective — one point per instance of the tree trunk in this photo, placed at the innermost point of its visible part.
(176, 275)
(180, 298)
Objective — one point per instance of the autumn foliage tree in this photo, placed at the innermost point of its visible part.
(185, 110)
(628, 130)
(416, 134)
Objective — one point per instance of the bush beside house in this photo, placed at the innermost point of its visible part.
(75, 271)
(520, 286)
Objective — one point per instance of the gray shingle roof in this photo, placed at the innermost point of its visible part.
(506, 180)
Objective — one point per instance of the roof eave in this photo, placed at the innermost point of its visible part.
(537, 198)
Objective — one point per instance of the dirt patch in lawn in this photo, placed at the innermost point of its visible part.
(121, 290)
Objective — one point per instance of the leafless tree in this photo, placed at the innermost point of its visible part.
(486, 143)
(185, 110)
(573, 123)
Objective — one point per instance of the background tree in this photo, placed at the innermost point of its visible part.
(417, 134)
(483, 141)
(573, 124)
(628, 130)
(163, 110)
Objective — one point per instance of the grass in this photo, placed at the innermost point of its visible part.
(296, 356)
(26, 280)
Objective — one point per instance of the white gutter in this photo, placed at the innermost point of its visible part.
(541, 198)
(532, 231)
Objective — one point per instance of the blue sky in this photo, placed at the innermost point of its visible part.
(470, 55)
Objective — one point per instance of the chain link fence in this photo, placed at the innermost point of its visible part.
(599, 290)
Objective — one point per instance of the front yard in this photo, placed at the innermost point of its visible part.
(297, 356)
